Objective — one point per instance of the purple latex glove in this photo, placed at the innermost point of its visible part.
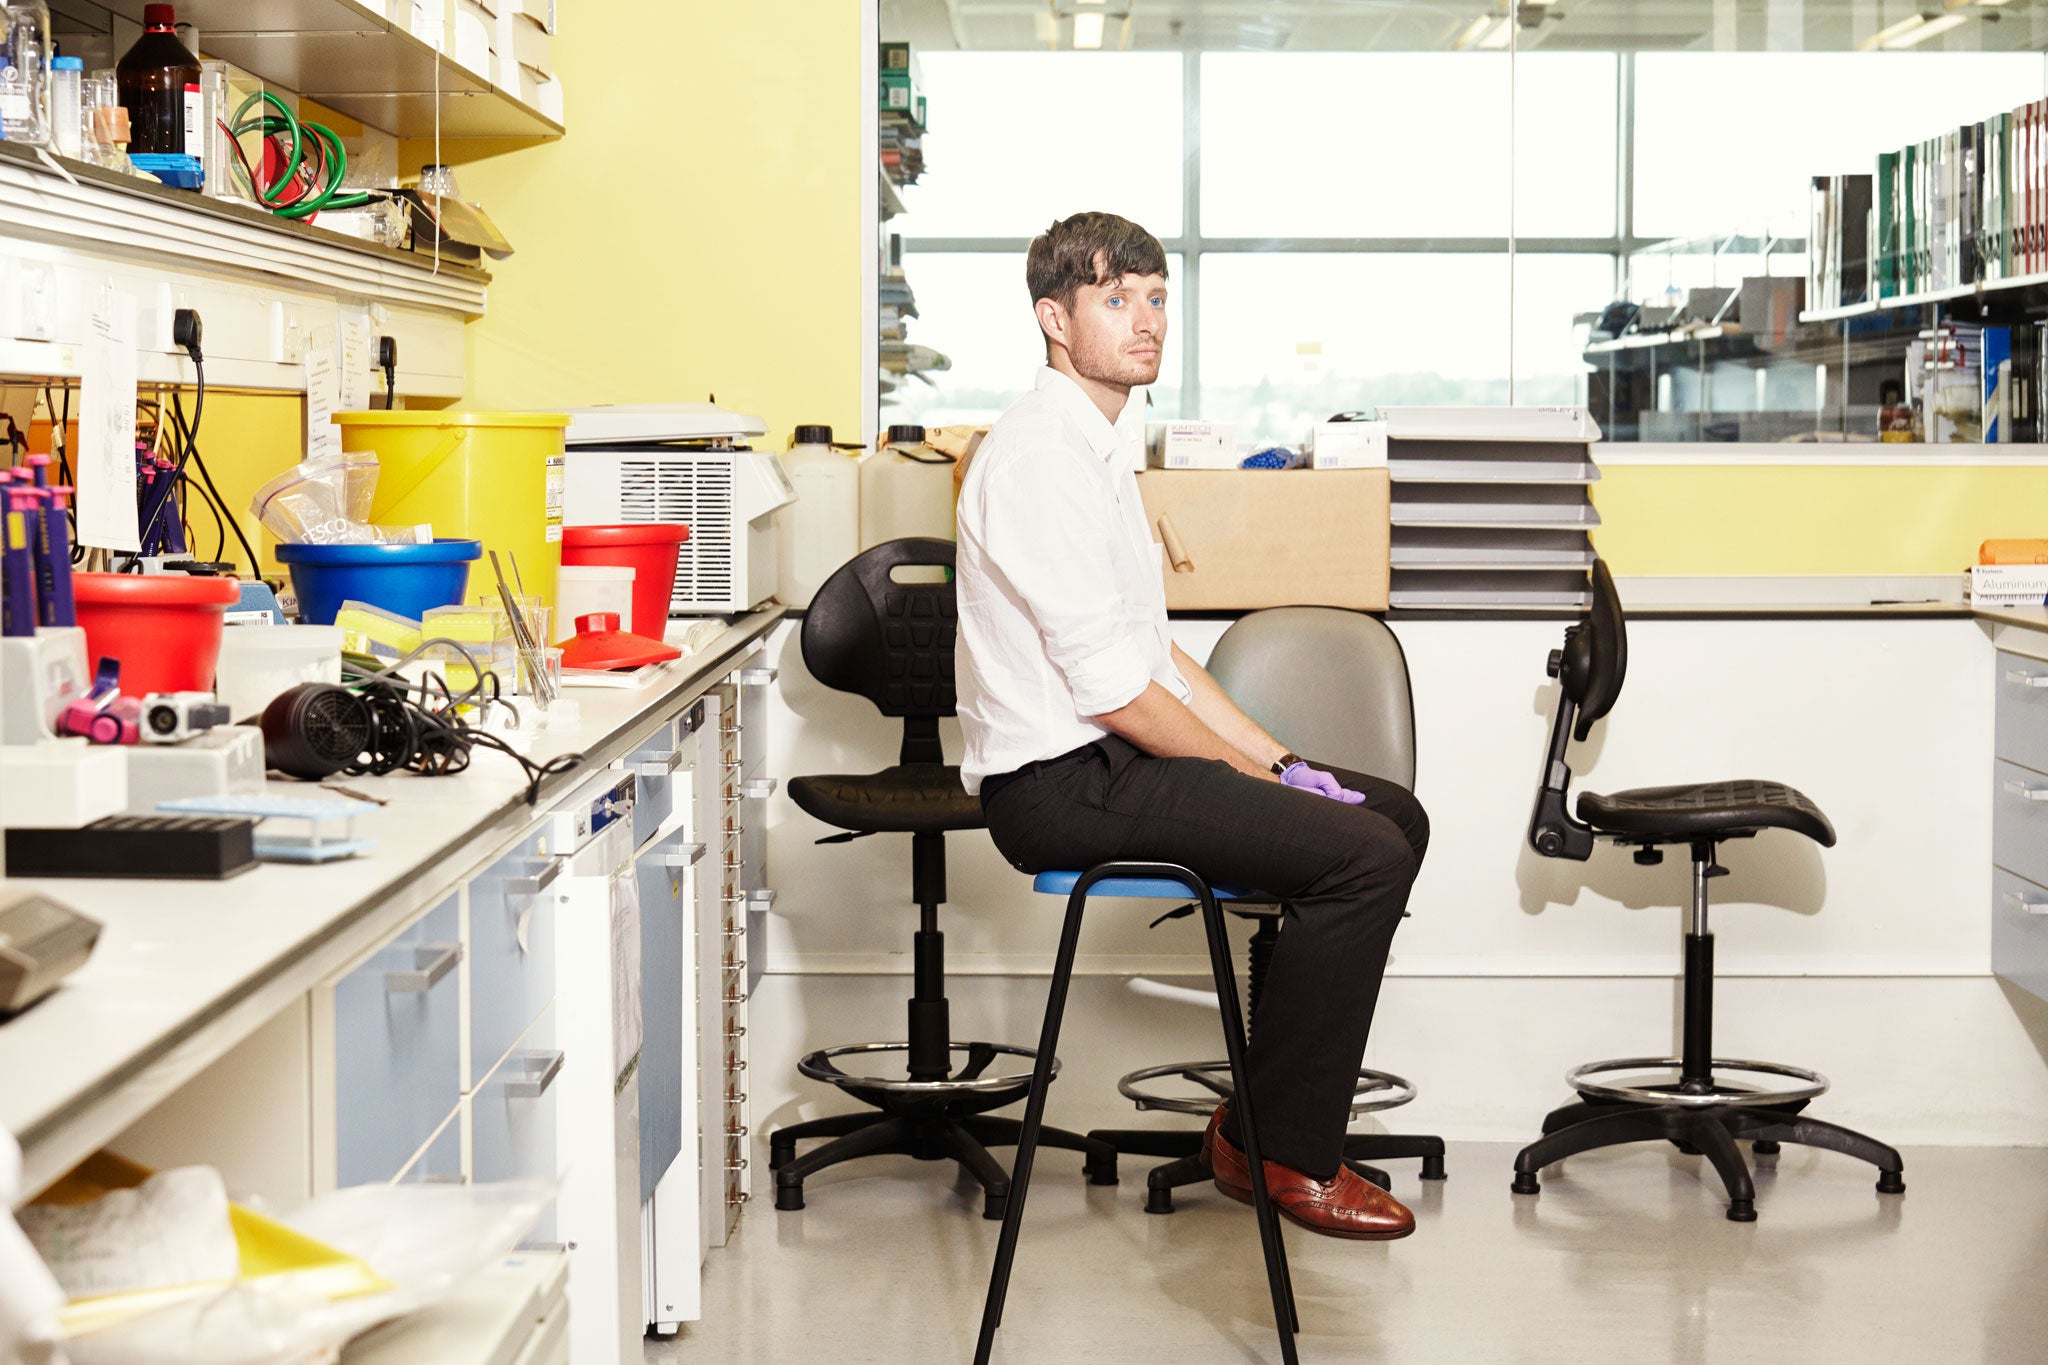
(1305, 778)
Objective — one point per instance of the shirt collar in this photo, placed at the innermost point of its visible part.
(1102, 435)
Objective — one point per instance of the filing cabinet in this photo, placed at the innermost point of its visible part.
(2019, 824)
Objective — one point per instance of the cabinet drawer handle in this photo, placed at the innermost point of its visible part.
(2026, 679)
(2027, 793)
(759, 788)
(2020, 902)
(761, 898)
(684, 855)
(661, 767)
(758, 677)
(533, 886)
(444, 1179)
(431, 962)
(541, 1070)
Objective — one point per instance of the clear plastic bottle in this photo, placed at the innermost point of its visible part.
(822, 531)
(67, 108)
(25, 74)
(159, 79)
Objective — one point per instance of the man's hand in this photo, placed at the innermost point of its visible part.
(1305, 778)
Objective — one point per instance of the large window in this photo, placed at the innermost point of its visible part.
(1359, 228)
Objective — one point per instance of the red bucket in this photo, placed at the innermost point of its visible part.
(164, 628)
(649, 550)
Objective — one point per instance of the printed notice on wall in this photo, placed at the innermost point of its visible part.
(556, 471)
(107, 514)
(323, 396)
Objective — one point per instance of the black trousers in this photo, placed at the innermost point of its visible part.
(1342, 872)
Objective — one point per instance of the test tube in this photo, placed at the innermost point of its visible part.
(67, 108)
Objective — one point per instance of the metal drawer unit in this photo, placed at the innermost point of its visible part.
(387, 1042)
(2019, 824)
(655, 763)
(513, 1121)
(510, 947)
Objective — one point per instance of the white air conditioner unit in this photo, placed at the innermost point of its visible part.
(687, 463)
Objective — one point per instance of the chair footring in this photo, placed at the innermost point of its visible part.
(1674, 1091)
(823, 1065)
(1375, 1091)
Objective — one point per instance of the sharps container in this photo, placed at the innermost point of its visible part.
(489, 476)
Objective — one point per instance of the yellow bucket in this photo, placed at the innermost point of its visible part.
(489, 476)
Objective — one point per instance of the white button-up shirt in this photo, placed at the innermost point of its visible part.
(1062, 600)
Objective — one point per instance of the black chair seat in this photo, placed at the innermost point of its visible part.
(910, 798)
(1706, 809)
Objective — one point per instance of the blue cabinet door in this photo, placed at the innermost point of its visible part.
(397, 1046)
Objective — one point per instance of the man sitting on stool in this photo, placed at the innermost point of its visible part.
(1091, 736)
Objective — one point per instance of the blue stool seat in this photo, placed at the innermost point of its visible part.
(1148, 888)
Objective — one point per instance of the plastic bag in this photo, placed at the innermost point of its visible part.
(326, 501)
(425, 1240)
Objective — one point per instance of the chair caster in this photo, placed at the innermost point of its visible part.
(1682, 1145)
(1891, 1182)
(1742, 1210)
(789, 1198)
(1158, 1199)
(1764, 1147)
(1433, 1168)
(993, 1207)
(1526, 1183)
(1100, 1170)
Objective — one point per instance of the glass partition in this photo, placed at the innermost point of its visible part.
(1668, 213)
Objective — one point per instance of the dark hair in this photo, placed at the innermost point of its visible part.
(1089, 248)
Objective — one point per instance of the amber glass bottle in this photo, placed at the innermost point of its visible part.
(159, 80)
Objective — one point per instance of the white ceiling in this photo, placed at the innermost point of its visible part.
(1434, 25)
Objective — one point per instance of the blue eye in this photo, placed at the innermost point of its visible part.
(1116, 301)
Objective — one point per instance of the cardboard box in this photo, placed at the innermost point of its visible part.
(2008, 585)
(901, 92)
(1348, 445)
(1191, 445)
(1770, 306)
(1250, 538)
(532, 47)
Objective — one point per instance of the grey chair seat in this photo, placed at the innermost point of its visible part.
(1706, 810)
(909, 798)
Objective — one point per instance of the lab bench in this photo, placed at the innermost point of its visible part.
(439, 1009)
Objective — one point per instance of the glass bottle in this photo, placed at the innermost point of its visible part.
(159, 80)
(24, 72)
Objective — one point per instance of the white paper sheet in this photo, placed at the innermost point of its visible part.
(354, 380)
(107, 515)
(323, 396)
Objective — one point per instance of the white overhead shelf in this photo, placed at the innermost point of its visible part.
(1961, 291)
(354, 60)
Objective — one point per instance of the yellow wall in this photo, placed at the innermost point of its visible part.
(1805, 519)
(697, 231)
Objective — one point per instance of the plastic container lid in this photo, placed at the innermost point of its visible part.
(444, 550)
(644, 533)
(410, 418)
(906, 435)
(67, 63)
(814, 436)
(159, 16)
(599, 643)
(154, 589)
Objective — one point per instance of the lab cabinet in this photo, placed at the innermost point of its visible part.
(511, 950)
(395, 1024)
(513, 1117)
(656, 763)
(2019, 823)
(440, 1162)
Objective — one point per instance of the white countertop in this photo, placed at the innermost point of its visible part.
(186, 969)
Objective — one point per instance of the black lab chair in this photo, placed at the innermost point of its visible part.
(1693, 1100)
(891, 641)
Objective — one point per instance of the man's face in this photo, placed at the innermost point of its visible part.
(1116, 330)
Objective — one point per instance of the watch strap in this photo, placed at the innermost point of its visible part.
(1286, 761)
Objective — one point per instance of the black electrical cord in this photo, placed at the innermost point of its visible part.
(190, 442)
(190, 439)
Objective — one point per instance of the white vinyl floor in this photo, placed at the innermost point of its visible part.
(1625, 1256)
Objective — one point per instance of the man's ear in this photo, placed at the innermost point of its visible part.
(1052, 320)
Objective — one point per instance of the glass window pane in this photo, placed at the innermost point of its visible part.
(974, 308)
(1707, 163)
(1290, 338)
(1354, 144)
(1565, 122)
(1551, 291)
(1019, 139)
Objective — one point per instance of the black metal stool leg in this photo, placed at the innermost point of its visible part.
(1608, 1130)
(782, 1142)
(964, 1148)
(997, 1131)
(1835, 1138)
(890, 1135)
(1034, 1115)
(1715, 1144)
(1277, 1278)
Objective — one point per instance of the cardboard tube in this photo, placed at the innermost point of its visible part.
(1176, 552)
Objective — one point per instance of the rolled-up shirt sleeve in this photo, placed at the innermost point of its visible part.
(1052, 540)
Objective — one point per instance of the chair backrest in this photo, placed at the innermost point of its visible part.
(1590, 669)
(887, 641)
(1331, 682)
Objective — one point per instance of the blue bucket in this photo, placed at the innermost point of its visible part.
(407, 579)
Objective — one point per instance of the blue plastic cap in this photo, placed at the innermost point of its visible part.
(67, 63)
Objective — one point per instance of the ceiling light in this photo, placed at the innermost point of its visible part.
(1885, 36)
(1088, 31)
(1920, 33)
(1097, 2)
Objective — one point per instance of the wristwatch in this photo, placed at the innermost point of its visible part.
(1286, 761)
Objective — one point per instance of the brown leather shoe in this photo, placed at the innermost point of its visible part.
(1342, 1206)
